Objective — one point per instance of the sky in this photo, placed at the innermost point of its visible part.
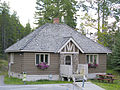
(25, 10)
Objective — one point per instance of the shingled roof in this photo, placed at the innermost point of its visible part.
(51, 37)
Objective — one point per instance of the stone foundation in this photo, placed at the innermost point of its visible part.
(35, 77)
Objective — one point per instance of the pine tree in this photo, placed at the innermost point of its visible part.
(49, 9)
(4, 23)
(116, 53)
(27, 29)
(11, 29)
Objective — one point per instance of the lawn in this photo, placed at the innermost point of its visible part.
(110, 86)
(17, 81)
(3, 67)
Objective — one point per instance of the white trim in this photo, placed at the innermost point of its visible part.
(44, 57)
(68, 42)
(97, 61)
(69, 52)
(34, 51)
(11, 58)
(27, 51)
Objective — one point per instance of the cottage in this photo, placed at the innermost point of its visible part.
(55, 51)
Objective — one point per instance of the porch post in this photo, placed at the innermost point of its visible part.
(75, 62)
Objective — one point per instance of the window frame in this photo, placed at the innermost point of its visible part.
(97, 59)
(44, 57)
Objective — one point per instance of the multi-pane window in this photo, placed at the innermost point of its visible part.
(42, 58)
(92, 58)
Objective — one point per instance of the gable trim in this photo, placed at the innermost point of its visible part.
(71, 39)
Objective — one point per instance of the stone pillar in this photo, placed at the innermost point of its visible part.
(75, 62)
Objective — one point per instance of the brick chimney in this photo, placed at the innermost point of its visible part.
(56, 20)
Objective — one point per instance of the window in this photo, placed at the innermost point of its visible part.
(37, 58)
(68, 60)
(11, 57)
(42, 58)
(92, 58)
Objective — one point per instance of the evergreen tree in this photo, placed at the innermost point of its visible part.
(4, 23)
(49, 9)
(11, 29)
(116, 53)
(27, 29)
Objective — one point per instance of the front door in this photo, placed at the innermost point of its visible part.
(68, 64)
(68, 60)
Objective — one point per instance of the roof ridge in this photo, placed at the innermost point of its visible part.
(34, 35)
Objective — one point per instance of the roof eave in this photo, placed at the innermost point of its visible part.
(8, 51)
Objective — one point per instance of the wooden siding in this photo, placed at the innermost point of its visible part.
(26, 63)
(82, 58)
(17, 65)
(101, 66)
(31, 69)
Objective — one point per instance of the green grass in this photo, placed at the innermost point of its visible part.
(3, 63)
(3, 67)
(110, 86)
(17, 81)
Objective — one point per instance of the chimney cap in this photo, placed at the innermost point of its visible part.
(56, 20)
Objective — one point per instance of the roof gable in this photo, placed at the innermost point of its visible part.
(70, 47)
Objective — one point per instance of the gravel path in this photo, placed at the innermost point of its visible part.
(89, 86)
(77, 86)
(40, 87)
(2, 80)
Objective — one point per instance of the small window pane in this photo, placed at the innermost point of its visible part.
(91, 58)
(46, 59)
(87, 58)
(68, 60)
(95, 59)
(37, 58)
(41, 58)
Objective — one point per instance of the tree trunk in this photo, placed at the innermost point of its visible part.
(103, 17)
(98, 16)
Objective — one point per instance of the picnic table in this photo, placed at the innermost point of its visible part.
(108, 78)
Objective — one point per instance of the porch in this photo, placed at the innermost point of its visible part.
(67, 71)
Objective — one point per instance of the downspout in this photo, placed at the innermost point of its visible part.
(9, 70)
